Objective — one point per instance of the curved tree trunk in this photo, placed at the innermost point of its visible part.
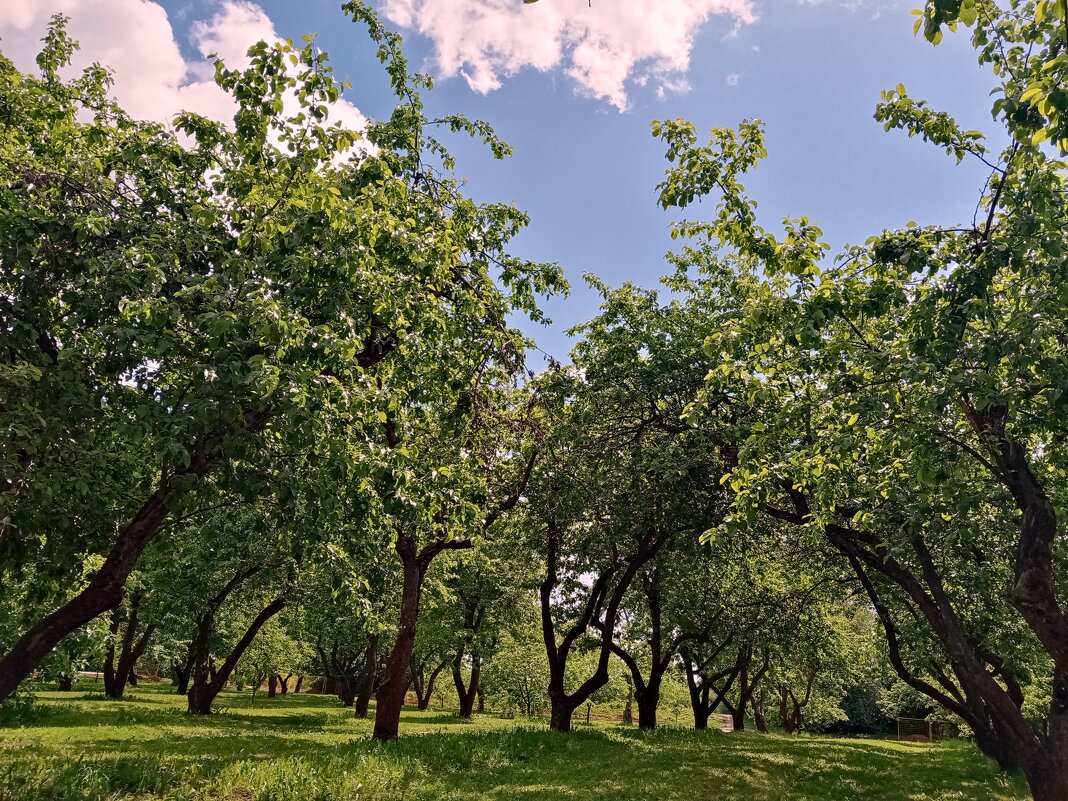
(394, 686)
(466, 693)
(208, 684)
(106, 588)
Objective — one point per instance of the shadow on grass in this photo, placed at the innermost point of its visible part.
(296, 748)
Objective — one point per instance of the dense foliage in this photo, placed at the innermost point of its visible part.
(265, 422)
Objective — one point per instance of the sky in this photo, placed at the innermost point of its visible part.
(573, 86)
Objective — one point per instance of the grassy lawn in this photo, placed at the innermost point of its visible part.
(308, 748)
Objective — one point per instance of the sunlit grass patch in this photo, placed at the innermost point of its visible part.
(308, 748)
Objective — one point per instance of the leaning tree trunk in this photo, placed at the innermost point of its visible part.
(300, 684)
(106, 588)
(208, 684)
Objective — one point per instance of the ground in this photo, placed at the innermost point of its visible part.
(79, 746)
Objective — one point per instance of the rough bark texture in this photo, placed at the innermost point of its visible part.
(393, 687)
(203, 693)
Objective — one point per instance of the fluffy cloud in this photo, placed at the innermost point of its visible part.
(601, 47)
(134, 38)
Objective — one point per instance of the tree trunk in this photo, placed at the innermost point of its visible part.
(561, 710)
(466, 694)
(481, 698)
(300, 683)
(760, 713)
(392, 689)
(628, 708)
(117, 676)
(367, 677)
(105, 589)
(648, 701)
(427, 692)
(208, 684)
(109, 656)
(272, 685)
(182, 673)
(283, 683)
(65, 682)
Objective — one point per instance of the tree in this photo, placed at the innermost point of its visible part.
(181, 346)
(466, 467)
(271, 652)
(904, 403)
(131, 644)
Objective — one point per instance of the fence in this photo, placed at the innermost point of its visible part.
(919, 730)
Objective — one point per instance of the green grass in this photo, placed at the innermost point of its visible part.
(80, 747)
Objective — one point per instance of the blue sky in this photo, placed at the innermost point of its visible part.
(586, 171)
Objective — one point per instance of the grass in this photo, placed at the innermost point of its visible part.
(81, 747)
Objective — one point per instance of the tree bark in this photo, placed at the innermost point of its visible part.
(105, 589)
(183, 672)
(117, 675)
(391, 692)
(367, 677)
(300, 684)
(272, 685)
(283, 683)
(393, 687)
(563, 704)
(466, 693)
(205, 689)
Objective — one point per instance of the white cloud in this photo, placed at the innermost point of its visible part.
(732, 79)
(601, 47)
(134, 38)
